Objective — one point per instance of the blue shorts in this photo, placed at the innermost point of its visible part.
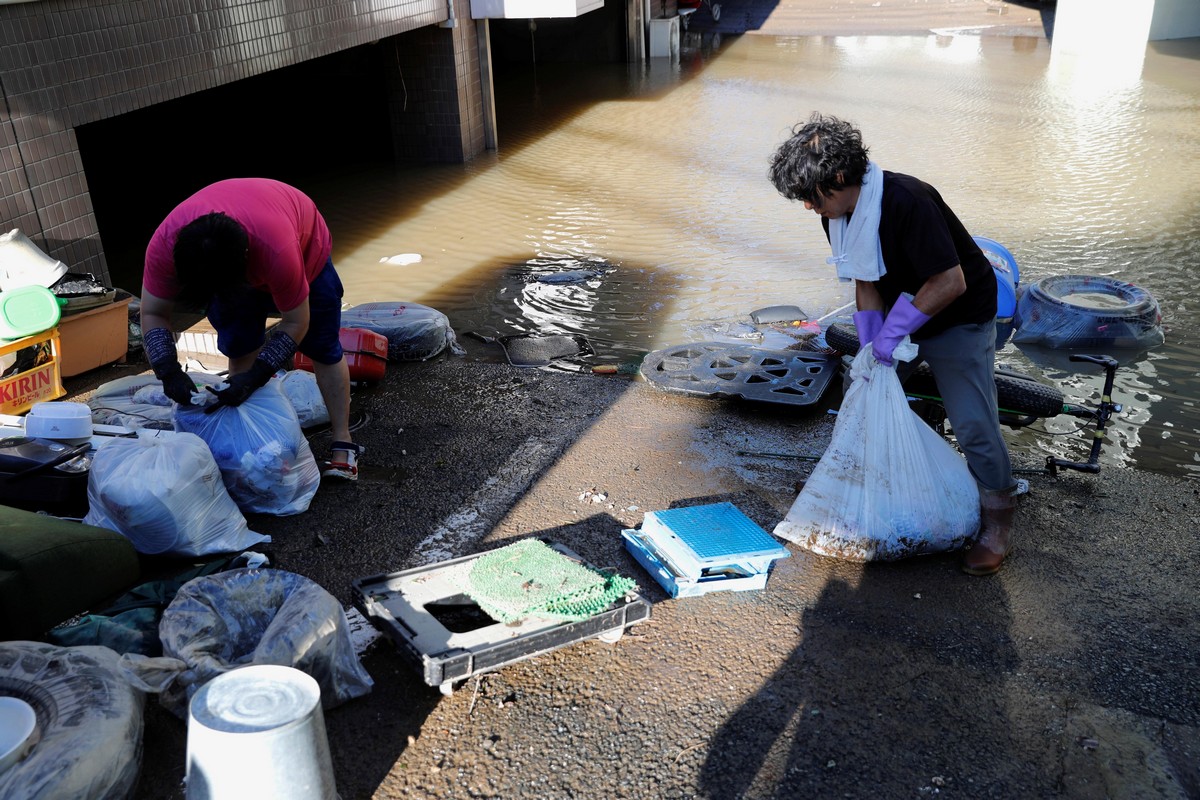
(241, 321)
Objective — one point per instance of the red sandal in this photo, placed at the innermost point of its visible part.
(346, 470)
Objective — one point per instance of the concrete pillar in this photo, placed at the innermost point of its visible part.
(635, 30)
(1175, 19)
(437, 104)
(1100, 22)
(1100, 45)
(483, 35)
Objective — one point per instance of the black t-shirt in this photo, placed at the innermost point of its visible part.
(920, 236)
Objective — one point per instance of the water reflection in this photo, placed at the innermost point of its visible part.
(1082, 384)
(659, 176)
(554, 295)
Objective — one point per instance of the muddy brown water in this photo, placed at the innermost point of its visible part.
(649, 185)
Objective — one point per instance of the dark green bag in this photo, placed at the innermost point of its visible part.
(130, 625)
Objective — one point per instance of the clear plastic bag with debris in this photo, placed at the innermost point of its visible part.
(232, 619)
(414, 332)
(304, 394)
(164, 492)
(265, 460)
(888, 486)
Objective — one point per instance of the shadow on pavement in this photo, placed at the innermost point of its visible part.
(851, 706)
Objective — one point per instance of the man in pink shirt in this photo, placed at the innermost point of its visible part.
(245, 248)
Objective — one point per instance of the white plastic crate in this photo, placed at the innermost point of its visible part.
(700, 549)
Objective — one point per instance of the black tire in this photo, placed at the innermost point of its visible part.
(1016, 393)
(843, 338)
(89, 722)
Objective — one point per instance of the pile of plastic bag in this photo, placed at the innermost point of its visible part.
(137, 401)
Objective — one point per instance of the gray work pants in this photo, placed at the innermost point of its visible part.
(963, 361)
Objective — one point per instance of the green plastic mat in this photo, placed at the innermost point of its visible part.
(530, 579)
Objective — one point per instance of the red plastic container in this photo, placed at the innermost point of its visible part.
(366, 354)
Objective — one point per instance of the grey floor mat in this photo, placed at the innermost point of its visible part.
(719, 369)
(538, 350)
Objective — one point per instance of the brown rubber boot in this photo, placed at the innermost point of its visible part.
(987, 553)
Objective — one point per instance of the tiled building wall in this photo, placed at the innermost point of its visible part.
(65, 63)
(436, 93)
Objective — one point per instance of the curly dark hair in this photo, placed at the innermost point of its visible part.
(210, 258)
(821, 156)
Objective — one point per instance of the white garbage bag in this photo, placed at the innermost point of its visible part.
(264, 458)
(304, 394)
(163, 492)
(888, 486)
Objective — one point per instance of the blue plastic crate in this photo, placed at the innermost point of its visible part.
(677, 584)
(702, 537)
(700, 549)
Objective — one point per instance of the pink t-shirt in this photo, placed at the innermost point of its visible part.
(289, 241)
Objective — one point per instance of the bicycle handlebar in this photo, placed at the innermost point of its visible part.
(1101, 414)
(1108, 362)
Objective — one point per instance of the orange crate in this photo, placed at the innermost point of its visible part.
(366, 354)
(43, 382)
(94, 337)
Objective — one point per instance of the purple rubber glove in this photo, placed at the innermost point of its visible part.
(902, 320)
(867, 323)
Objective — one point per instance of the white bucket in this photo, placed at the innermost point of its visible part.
(18, 722)
(258, 731)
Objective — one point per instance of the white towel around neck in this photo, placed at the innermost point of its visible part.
(856, 251)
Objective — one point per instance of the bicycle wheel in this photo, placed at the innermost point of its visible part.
(1016, 393)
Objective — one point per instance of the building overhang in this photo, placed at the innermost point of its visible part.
(531, 9)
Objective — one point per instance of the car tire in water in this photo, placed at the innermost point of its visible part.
(1080, 311)
(1016, 393)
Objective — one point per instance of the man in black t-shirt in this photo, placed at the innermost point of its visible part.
(916, 272)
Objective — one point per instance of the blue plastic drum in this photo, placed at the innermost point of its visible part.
(1008, 275)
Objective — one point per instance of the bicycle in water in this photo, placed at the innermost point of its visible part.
(1022, 399)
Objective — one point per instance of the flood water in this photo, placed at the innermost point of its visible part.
(654, 179)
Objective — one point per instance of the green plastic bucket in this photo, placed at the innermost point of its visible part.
(27, 310)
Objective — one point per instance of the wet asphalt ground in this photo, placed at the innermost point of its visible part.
(1073, 673)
